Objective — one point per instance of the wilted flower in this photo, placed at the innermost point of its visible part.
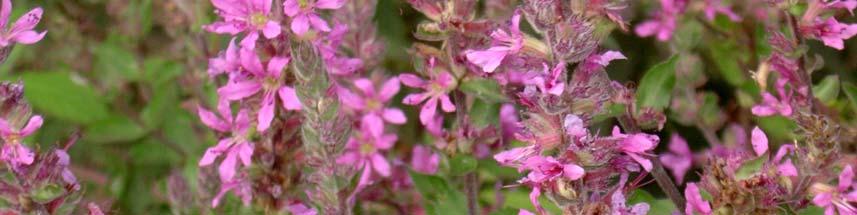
(22, 30)
(268, 80)
(303, 14)
(250, 16)
(236, 146)
(503, 44)
(14, 152)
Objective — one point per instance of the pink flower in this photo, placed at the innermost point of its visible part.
(844, 4)
(14, 152)
(268, 81)
(771, 106)
(435, 92)
(713, 7)
(508, 122)
(363, 151)
(303, 14)
(663, 24)
(617, 201)
(235, 147)
(636, 145)
(549, 82)
(504, 43)
(525, 212)
(695, 203)
(371, 102)
(423, 160)
(679, 158)
(250, 16)
(759, 141)
(241, 186)
(574, 126)
(22, 30)
(545, 170)
(515, 157)
(830, 31)
(301, 209)
(784, 168)
(837, 198)
(227, 62)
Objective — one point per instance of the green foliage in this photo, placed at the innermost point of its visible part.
(438, 196)
(827, 90)
(485, 89)
(63, 96)
(656, 206)
(657, 84)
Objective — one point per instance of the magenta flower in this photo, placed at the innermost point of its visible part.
(303, 14)
(14, 152)
(574, 126)
(525, 212)
(844, 4)
(515, 157)
(435, 92)
(663, 24)
(423, 160)
(759, 141)
(250, 16)
(771, 105)
(301, 209)
(503, 44)
(22, 30)
(236, 146)
(784, 168)
(636, 145)
(549, 82)
(363, 151)
(371, 102)
(830, 31)
(695, 203)
(837, 198)
(679, 159)
(268, 81)
(544, 170)
(240, 186)
(227, 62)
(713, 7)
(508, 122)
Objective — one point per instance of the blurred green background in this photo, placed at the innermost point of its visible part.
(128, 76)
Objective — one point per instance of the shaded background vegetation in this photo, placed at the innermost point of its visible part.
(128, 75)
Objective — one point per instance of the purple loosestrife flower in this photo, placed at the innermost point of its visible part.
(14, 152)
(574, 126)
(236, 146)
(545, 170)
(784, 167)
(241, 186)
(371, 103)
(423, 160)
(772, 106)
(301, 209)
(679, 159)
(509, 122)
(227, 62)
(549, 82)
(503, 44)
(436, 90)
(695, 203)
(268, 81)
(837, 198)
(713, 7)
(663, 24)
(619, 207)
(759, 141)
(830, 31)
(250, 16)
(22, 30)
(363, 151)
(303, 14)
(636, 145)
(515, 157)
(844, 4)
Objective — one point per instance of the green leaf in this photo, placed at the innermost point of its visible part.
(750, 168)
(726, 59)
(778, 128)
(827, 90)
(657, 84)
(462, 164)
(850, 92)
(811, 210)
(656, 206)
(484, 114)
(113, 129)
(438, 197)
(484, 89)
(60, 96)
(46, 193)
(115, 64)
